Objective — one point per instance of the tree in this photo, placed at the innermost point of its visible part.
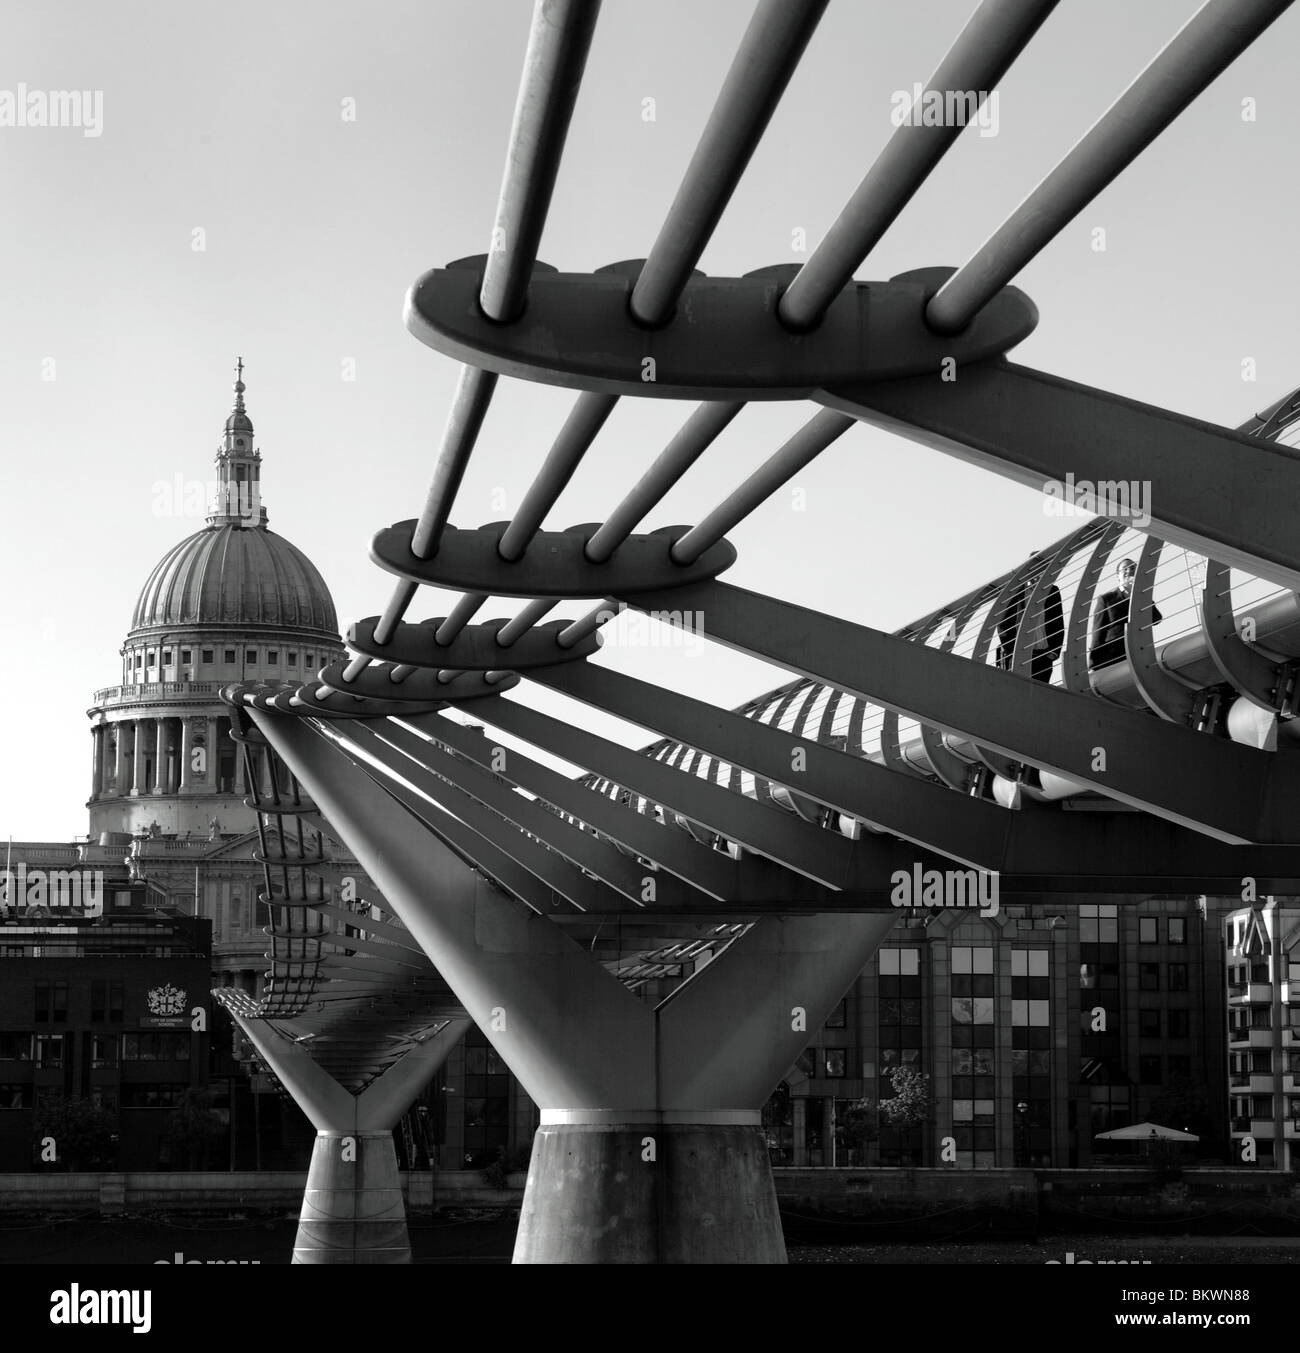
(81, 1129)
(191, 1127)
(859, 1125)
(911, 1104)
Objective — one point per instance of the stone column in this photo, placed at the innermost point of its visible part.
(96, 760)
(183, 782)
(160, 756)
(137, 756)
(120, 734)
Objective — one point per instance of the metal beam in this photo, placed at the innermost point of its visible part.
(1233, 792)
(1214, 491)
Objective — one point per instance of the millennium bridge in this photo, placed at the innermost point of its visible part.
(1114, 716)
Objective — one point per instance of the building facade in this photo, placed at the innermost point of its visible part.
(1262, 949)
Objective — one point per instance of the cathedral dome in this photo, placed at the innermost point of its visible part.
(236, 572)
(229, 574)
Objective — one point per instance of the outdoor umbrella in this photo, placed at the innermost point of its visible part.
(1144, 1132)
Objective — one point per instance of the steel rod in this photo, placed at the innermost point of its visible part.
(766, 59)
(694, 437)
(1214, 37)
(589, 623)
(576, 436)
(805, 446)
(525, 620)
(464, 420)
(548, 89)
(983, 52)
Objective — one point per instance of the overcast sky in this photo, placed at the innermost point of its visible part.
(228, 120)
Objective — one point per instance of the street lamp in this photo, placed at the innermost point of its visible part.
(1022, 1133)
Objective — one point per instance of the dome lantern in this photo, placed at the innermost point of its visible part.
(239, 468)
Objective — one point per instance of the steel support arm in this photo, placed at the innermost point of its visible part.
(1233, 792)
(1220, 493)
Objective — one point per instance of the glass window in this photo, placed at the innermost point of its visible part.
(1149, 976)
(250, 655)
(153, 658)
(167, 657)
(293, 658)
(208, 654)
(1178, 977)
(15, 1047)
(103, 1050)
(835, 1062)
(1177, 930)
(187, 655)
(229, 655)
(838, 1016)
(1148, 930)
(1149, 1023)
(1180, 1024)
(49, 1052)
(273, 655)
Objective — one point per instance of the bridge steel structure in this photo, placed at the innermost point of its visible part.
(986, 740)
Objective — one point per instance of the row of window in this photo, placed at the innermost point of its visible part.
(1180, 1023)
(149, 658)
(1149, 929)
(166, 1095)
(47, 1051)
(107, 1001)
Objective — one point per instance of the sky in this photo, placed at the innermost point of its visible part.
(231, 205)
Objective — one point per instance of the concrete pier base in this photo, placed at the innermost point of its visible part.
(653, 1193)
(352, 1209)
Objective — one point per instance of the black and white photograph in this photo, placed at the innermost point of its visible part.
(651, 635)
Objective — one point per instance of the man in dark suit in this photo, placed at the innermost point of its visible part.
(1112, 619)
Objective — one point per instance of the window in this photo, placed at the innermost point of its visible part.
(165, 1096)
(155, 1047)
(1177, 930)
(273, 655)
(1180, 1064)
(1180, 1024)
(51, 1003)
(972, 960)
(293, 658)
(1149, 1069)
(152, 660)
(15, 1095)
(306, 659)
(106, 1002)
(208, 654)
(250, 655)
(139, 661)
(837, 1018)
(1178, 977)
(49, 1052)
(1148, 930)
(187, 655)
(167, 657)
(1030, 1014)
(103, 1050)
(15, 1047)
(899, 962)
(1029, 963)
(1099, 924)
(1149, 976)
(834, 1065)
(229, 655)
(1149, 1023)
